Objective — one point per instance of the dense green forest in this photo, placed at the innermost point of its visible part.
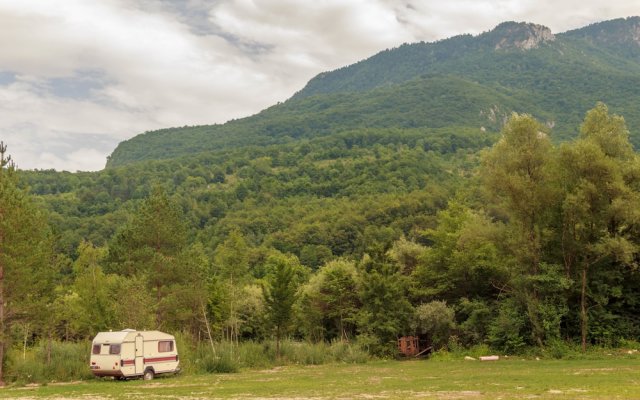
(358, 238)
(393, 199)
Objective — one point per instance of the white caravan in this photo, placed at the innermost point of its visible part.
(130, 353)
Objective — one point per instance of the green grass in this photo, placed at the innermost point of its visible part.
(615, 378)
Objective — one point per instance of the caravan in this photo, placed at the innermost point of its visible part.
(130, 353)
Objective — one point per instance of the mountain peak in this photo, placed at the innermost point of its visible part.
(519, 35)
(613, 32)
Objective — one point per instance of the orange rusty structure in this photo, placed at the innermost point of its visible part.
(411, 346)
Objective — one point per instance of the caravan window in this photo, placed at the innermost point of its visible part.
(114, 349)
(96, 349)
(165, 346)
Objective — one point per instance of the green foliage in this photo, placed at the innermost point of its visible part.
(436, 320)
(26, 279)
(474, 316)
(328, 305)
(279, 294)
(463, 257)
(385, 313)
(508, 331)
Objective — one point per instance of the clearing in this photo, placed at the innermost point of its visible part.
(615, 378)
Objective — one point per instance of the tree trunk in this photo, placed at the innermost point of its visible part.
(49, 346)
(583, 309)
(206, 321)
(24, 343)
(278, 343)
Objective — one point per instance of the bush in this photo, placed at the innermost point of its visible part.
(436, 320)
(508, 330)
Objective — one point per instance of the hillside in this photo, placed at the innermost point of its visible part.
(465, 81)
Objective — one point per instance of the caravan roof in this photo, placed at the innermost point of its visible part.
(122, 336)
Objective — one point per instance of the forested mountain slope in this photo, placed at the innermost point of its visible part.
(464, 81)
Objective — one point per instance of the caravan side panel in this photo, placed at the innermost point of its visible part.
(161, 355)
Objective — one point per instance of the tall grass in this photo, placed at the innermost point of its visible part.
(228, 357)
(69, 361)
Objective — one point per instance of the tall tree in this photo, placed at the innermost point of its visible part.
(150, 245)
(600, 208)
(339, 294)
(518, 173)
(231, 264)
(24, 252)
(279, 296)
(88, 306)
(386, 313)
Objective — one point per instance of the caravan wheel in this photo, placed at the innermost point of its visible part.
(148, 374)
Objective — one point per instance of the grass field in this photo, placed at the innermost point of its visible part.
(615, 378)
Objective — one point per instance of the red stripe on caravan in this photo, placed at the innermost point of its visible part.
(160, 359)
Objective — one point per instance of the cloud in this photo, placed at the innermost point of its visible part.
(94, 73)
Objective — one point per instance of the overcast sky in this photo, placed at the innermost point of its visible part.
(78, 76)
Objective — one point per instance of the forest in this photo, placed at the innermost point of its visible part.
(512, 242)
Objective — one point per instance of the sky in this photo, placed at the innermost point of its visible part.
(77, 77)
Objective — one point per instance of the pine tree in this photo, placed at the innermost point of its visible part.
(151, 245)
(24, 252)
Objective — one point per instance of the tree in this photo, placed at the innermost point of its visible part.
(386, 313)
(231, 264)
(600, 207)
(151, 245)
(436, 320)
(88, 305)
(518, 173)
(328, 305)
(279, 294)
(24, 252)
(339, 295)
(188, 295)
(463, 260)
(407, 254)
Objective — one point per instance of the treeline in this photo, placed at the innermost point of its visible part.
(526, 244)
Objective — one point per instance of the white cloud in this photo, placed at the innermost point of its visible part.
(98, 72)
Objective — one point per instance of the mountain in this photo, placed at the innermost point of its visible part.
(464, 83)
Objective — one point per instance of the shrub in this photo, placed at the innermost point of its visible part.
(436, 320)
(507, 330)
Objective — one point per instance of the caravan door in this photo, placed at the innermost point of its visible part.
(139, 355)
